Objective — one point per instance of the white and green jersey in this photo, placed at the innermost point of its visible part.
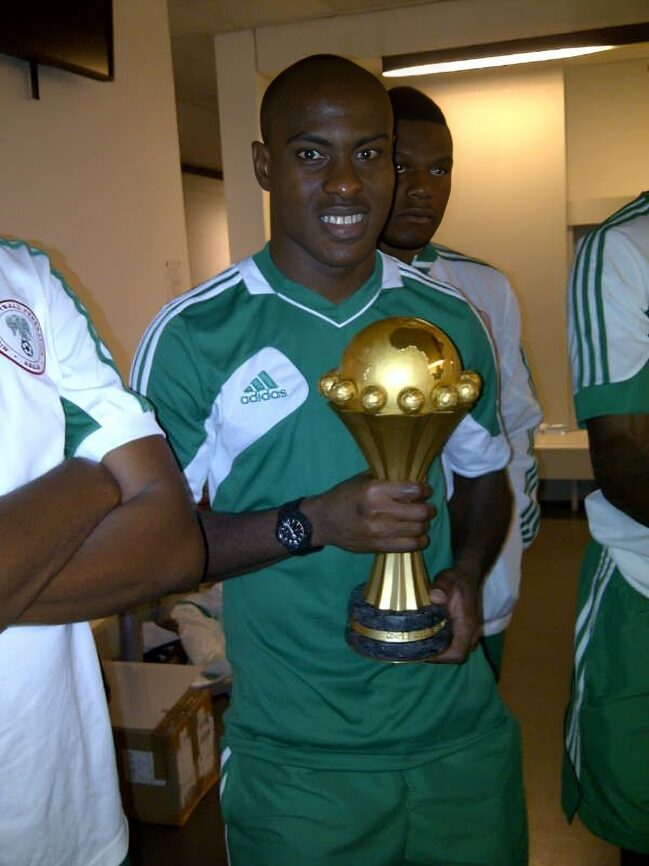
(489, 291)
(608, 329)
(232, 369)
(60, 396)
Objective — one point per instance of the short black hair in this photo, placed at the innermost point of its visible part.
(319, 66)
(408, 103)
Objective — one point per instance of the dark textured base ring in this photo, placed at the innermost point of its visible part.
(396, 636)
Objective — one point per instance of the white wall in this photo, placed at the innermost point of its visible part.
(91, 172)
(207, 226)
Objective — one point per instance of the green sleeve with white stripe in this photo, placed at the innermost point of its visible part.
(175, 386)
(608, 317)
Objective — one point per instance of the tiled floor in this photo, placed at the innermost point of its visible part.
(535, 683)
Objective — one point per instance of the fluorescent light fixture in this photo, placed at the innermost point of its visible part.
(533, 50)
(498, 60)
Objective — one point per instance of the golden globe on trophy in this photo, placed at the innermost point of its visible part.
(400, 391)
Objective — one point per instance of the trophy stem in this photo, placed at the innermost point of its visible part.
(398, 582)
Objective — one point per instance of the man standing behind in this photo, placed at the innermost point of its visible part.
(606, 766)
(94, 518)
(332, 759)
(424, 162)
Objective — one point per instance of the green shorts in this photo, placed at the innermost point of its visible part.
(606, 762)
(463, 809)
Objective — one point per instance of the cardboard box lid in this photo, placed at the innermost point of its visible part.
(143, 693)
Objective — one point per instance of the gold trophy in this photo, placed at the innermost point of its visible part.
(401, 392)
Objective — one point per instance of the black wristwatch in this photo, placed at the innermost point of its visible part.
(293, 529)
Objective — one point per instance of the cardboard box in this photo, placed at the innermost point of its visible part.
(165, 741)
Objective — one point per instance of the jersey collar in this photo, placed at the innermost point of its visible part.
(428, 254)
(308, 299)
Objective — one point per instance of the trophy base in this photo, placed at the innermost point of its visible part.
(396, 636)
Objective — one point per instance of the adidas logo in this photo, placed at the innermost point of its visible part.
(263, 387)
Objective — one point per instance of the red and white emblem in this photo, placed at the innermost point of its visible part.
(21, 336)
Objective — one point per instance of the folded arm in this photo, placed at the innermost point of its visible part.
(145, 543)
(42, 525)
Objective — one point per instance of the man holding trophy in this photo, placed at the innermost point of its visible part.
(335, 754)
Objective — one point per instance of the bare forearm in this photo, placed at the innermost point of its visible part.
(43, 524)
(480, 513)
(136, 554)
(149, 545)
(359, 514)
(239, 543)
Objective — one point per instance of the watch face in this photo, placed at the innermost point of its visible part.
(291, 533)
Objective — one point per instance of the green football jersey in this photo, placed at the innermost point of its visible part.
(232, 368)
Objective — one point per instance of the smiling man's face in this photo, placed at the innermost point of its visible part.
(328, 167)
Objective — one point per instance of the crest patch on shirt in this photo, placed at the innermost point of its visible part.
(21, 336)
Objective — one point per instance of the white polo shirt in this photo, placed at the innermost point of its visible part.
(60, 396)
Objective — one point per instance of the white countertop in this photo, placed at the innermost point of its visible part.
(563, 455)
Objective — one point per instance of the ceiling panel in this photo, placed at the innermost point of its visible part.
(221, 16)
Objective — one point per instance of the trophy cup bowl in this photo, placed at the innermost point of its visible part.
(400, 390)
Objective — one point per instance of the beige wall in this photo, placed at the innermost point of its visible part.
(207, 227)
(241, 88)
(508, 201)
(607, 125)
(91, 171)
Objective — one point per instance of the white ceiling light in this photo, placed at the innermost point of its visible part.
(498, 60)
(533, 50)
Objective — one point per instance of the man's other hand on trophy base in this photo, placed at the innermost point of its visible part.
(458, 589)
